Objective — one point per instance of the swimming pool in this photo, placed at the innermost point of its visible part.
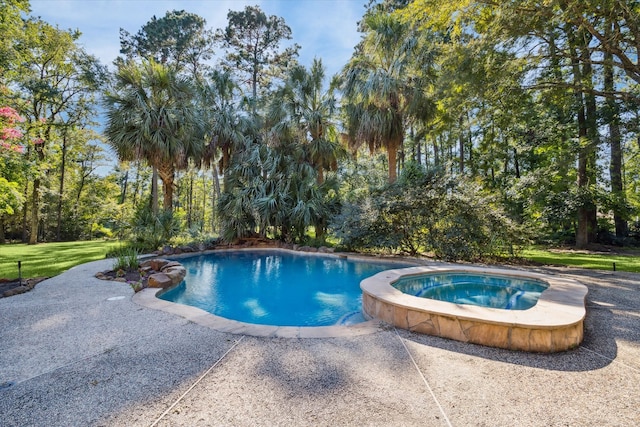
(504, 292)
(281, 288)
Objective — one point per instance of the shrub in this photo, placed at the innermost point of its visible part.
(427, 212)
(126, 258)
(151, 231)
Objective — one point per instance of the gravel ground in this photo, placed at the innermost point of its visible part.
(76, 351)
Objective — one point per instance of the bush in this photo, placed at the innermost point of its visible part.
(428, 212)
(151, 231)
(126, 258)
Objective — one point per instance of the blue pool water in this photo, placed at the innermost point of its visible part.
(504, 292)
(276, 288)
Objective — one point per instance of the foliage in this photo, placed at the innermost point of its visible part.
(522, 112)
(10, 28)
(50, 259)
(178, 39)
(252, 43)
(55, 81)
(150, 231)
(151, 115)
(427, 212)
(273, 187)
(126, 258)
(303, 103)
(11, 163)
(385, 85)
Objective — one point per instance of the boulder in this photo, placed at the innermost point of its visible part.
(170, 264)
(176, 274)
(155, 263)
(159, 280)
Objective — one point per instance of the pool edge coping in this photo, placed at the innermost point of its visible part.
(147, 298)
(564, 298)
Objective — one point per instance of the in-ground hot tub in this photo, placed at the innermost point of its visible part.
(554, 323)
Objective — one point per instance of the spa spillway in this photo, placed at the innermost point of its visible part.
(555, 323)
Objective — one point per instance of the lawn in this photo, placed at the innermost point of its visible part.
(50, 259)
(624, 262)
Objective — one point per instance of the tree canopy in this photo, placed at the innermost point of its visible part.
(462, 129)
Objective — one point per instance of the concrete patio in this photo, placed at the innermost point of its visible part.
(77, 351)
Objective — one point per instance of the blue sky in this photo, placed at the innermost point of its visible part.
(326, 29)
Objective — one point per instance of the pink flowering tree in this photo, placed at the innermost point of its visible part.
(11, 164)
(10, 136)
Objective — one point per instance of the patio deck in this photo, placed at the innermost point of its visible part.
(73, 355)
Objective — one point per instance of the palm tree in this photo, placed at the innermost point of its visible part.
(313, 111)
(225, 125)
(383, 86)
(151, 116)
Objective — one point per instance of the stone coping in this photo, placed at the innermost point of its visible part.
(558, 316)
(559, 305)
(147, 298)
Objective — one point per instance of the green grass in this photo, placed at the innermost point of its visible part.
(629, 262)
(50, 259)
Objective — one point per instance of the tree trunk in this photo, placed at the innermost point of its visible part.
(461, 144)
(436, 154)
(61, 186)
(125, 184)
(586, 209)
(392, 153)
(612, 117)
(154, 191)
(189, 201)
(204, 202)
(25, 228)
(593, 140)
(167, 176)
(35, 208)
(215, 197)
(2, 238)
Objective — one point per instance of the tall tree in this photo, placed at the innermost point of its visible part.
(178, 39)
(568, 46)
(383, 87)
(11, 28)
(151, 115)
(252, 41)
(313, 111)
(612, 119)
(58, 80)
(220, 102)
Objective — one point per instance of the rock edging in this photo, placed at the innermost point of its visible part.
(152, 273)
(168, 273)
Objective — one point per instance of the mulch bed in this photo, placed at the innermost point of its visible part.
(10, 287)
